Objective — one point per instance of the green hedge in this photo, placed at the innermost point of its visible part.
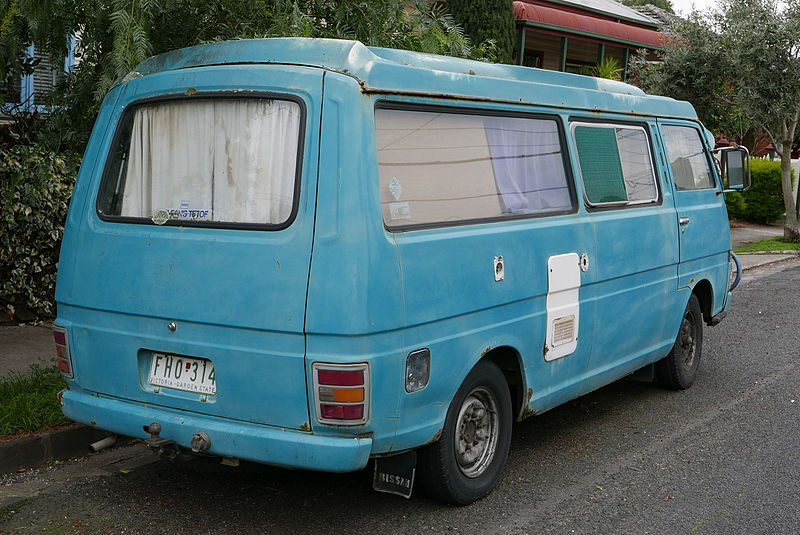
(35, 187)
(763, 203)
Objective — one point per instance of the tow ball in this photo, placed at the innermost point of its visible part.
(164, 447)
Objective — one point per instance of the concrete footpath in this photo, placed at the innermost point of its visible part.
(744, 234)
(23, 345)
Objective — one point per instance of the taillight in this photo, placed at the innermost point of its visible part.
(341, 393)
(63, 359)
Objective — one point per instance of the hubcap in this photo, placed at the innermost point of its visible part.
(688, 341)
(476, 432)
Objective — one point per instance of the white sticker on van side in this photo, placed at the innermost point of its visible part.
(399, 210)
(563, 305)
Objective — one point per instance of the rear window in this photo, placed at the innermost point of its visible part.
(205, 162)
(447, 168)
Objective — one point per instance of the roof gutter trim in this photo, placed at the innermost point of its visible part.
(593, 35)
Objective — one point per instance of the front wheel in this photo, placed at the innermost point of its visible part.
(678, 370)
(466, 463)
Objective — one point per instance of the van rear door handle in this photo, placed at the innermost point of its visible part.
(684, 220)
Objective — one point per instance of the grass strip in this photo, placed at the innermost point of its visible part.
(28, 402)
(769, 244)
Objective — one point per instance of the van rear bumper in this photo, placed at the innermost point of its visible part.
(229, 438)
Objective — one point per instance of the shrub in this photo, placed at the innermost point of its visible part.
(35, 186)
(736, 205)
(763, 203)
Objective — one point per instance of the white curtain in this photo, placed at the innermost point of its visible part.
(229, 160)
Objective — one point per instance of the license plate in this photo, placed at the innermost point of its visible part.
(183, 373)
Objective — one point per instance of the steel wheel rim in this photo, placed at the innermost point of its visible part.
(688, 340)
(476, 432)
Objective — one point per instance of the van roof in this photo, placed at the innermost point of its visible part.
(384, 70)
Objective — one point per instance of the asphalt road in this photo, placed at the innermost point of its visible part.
(719, 458)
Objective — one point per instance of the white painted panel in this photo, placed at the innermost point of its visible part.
(563, 305)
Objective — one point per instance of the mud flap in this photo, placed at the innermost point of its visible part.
(395, 474)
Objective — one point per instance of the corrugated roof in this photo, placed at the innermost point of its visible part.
(656, 13)
(612, 7)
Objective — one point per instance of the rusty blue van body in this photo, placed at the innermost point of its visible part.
(310, 253)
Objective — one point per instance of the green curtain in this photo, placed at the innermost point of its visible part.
(600, 164)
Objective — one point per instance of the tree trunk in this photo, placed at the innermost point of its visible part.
(791, 229)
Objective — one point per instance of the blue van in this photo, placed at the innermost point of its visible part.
(313, 253)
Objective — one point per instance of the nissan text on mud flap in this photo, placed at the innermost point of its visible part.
(312, 253)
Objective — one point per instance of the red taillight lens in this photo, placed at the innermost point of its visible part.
(342, 412)
(63, 358)
(60, 337)
(341, 377)
(63, 365)
(341, 393)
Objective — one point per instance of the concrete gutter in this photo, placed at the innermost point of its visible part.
(754, 260)
(36, 450)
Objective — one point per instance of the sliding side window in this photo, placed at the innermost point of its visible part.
(616, 164)
(444, 168)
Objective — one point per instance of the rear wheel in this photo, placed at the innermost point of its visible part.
(678, 370)
(466, 463)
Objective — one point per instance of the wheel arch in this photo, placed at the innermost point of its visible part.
(509, 360)
(705, 295)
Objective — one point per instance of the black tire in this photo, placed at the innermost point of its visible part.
(678, 370)
(468, 460)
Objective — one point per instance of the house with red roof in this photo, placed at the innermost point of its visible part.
(567, 36)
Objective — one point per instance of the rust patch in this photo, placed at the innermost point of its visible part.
(191, 91)
(436, 436)
(526, 411)
(305, 427)
(485, 351)
(93, 423)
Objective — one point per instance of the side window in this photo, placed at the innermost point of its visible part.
(687, 158)
(616, 164)
(438, 167)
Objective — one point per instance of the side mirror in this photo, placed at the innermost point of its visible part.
(735, 169)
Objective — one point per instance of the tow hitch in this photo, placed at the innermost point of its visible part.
(164, 447)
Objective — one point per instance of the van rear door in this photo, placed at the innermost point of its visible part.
(195, 244)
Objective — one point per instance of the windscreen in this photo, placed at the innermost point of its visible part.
(205, 162)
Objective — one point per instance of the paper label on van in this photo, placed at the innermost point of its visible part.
(399, 210)
(160, 217)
